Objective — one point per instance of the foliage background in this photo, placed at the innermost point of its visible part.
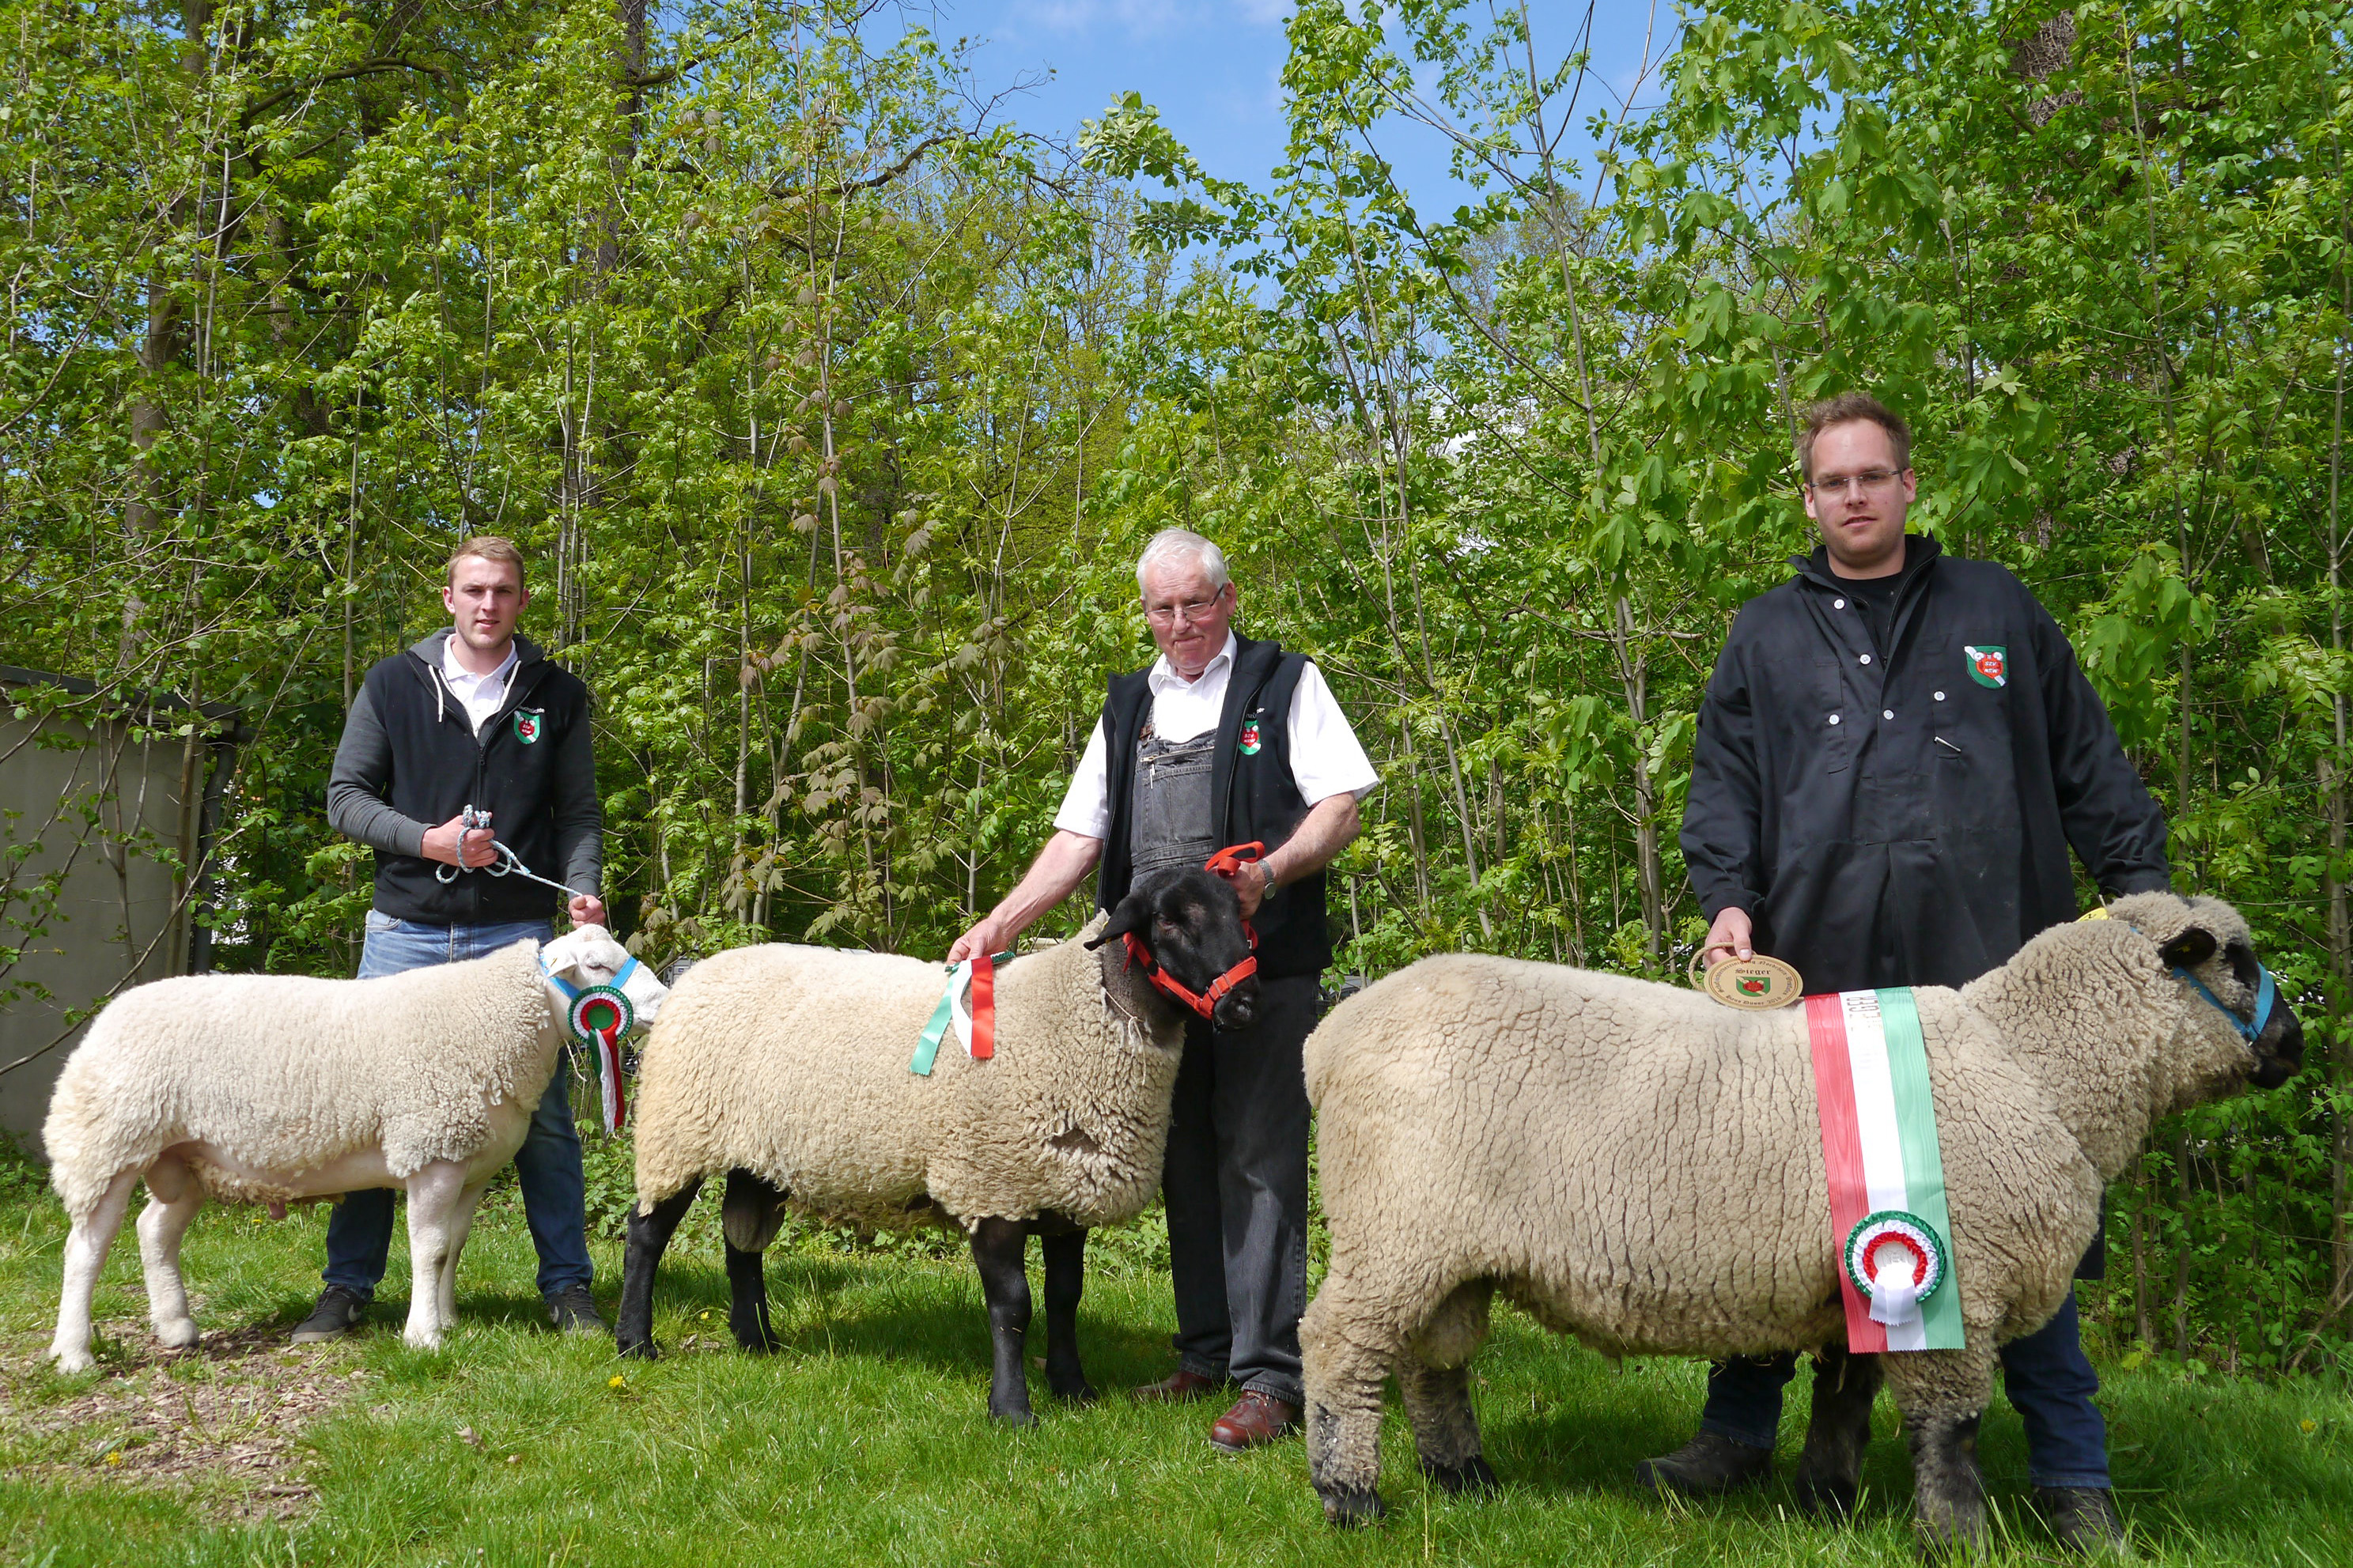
(834, 407)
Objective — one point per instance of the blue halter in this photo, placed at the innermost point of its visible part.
(2266, 993)
(621, 978)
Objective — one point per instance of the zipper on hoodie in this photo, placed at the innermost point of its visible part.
(515, 694)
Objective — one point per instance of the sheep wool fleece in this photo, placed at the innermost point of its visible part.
(288, 1073)
(1640, 1167)
(791, 1063)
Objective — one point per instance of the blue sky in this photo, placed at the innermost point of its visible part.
(1213, 69)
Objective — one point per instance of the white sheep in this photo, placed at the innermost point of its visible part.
(1640, 1167)
(788, 1068)
(276, 1088)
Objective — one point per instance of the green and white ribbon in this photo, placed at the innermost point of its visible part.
(1886, 1172)
(974, 1022)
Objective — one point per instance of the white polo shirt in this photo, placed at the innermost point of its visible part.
(1324, 756)
(481, 694)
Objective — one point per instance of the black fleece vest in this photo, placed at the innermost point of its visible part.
(1252, 791)
(440, 768)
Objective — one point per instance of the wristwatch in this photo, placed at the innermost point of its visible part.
(1266, 881)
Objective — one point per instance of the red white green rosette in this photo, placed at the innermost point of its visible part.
(1895, 1260)
(599, 1016)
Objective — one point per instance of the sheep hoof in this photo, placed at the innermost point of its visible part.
(1826, 1498)
(1352, 1510)
(70, 1362)
(1080, 1393)
(1947, 1544)
(1019, 1416)
(1472, 1475)
(754, 1338)
(179, 1336)
(641, 1350)
(422, 1341)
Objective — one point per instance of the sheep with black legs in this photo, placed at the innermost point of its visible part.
(1640, 1167)
(787, 1069)
(279, 1089)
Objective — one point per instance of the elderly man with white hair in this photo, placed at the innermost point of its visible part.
(1222, 740)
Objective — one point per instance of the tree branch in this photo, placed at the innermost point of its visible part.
(364, 67)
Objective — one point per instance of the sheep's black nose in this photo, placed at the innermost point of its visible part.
(1238, 1008)
(2281, 1056)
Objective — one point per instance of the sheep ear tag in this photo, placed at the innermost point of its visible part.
(1758, 982)
(599, 1016)
(1885, 1172)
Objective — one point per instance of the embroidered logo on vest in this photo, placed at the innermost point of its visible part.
(1250, 738)
(527, 722)
(1988, 666)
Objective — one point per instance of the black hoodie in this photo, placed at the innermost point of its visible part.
(1903, 818)
(410, 759)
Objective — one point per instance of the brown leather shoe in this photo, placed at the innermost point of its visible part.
(1178, 1384)
(1255, 1418)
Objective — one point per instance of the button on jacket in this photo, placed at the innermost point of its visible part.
(1901, 815)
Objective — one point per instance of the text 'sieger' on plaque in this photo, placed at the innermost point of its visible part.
(1757, 983)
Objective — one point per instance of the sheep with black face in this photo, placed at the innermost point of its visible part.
(786, 1068)
(1635, 1165)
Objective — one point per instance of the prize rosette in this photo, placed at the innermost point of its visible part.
(1896, 1260)
(599, 1016)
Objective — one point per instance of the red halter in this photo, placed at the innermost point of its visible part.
(1230, 858)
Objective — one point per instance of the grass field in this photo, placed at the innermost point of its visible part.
(865, 1440)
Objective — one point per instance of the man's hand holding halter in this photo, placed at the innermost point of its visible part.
(507, 864)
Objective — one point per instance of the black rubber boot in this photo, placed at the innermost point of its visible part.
(2084, 1520)
(1707, 1466)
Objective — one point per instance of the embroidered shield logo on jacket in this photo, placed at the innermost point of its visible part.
(526, 725)
(1989, 665)
(1250, 738)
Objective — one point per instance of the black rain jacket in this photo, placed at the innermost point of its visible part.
(1903, 817)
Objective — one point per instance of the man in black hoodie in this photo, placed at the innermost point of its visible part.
(1895, 752)
(472, 716)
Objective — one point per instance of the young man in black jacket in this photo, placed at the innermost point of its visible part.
(1894, 754)
(471, 715)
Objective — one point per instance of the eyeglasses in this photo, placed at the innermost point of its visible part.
(1834, 484)
(1190, 611)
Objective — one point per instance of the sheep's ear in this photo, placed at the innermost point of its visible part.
(562, 956)
(2190, 949)
(1134, 913)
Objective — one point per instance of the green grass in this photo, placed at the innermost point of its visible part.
(866, 1440)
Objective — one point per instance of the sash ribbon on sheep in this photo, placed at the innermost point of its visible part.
(599, 1015)
(1885, 1169)
(974, 1022)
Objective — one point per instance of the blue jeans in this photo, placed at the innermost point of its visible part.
(547, 1166)
(2046, 1375)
